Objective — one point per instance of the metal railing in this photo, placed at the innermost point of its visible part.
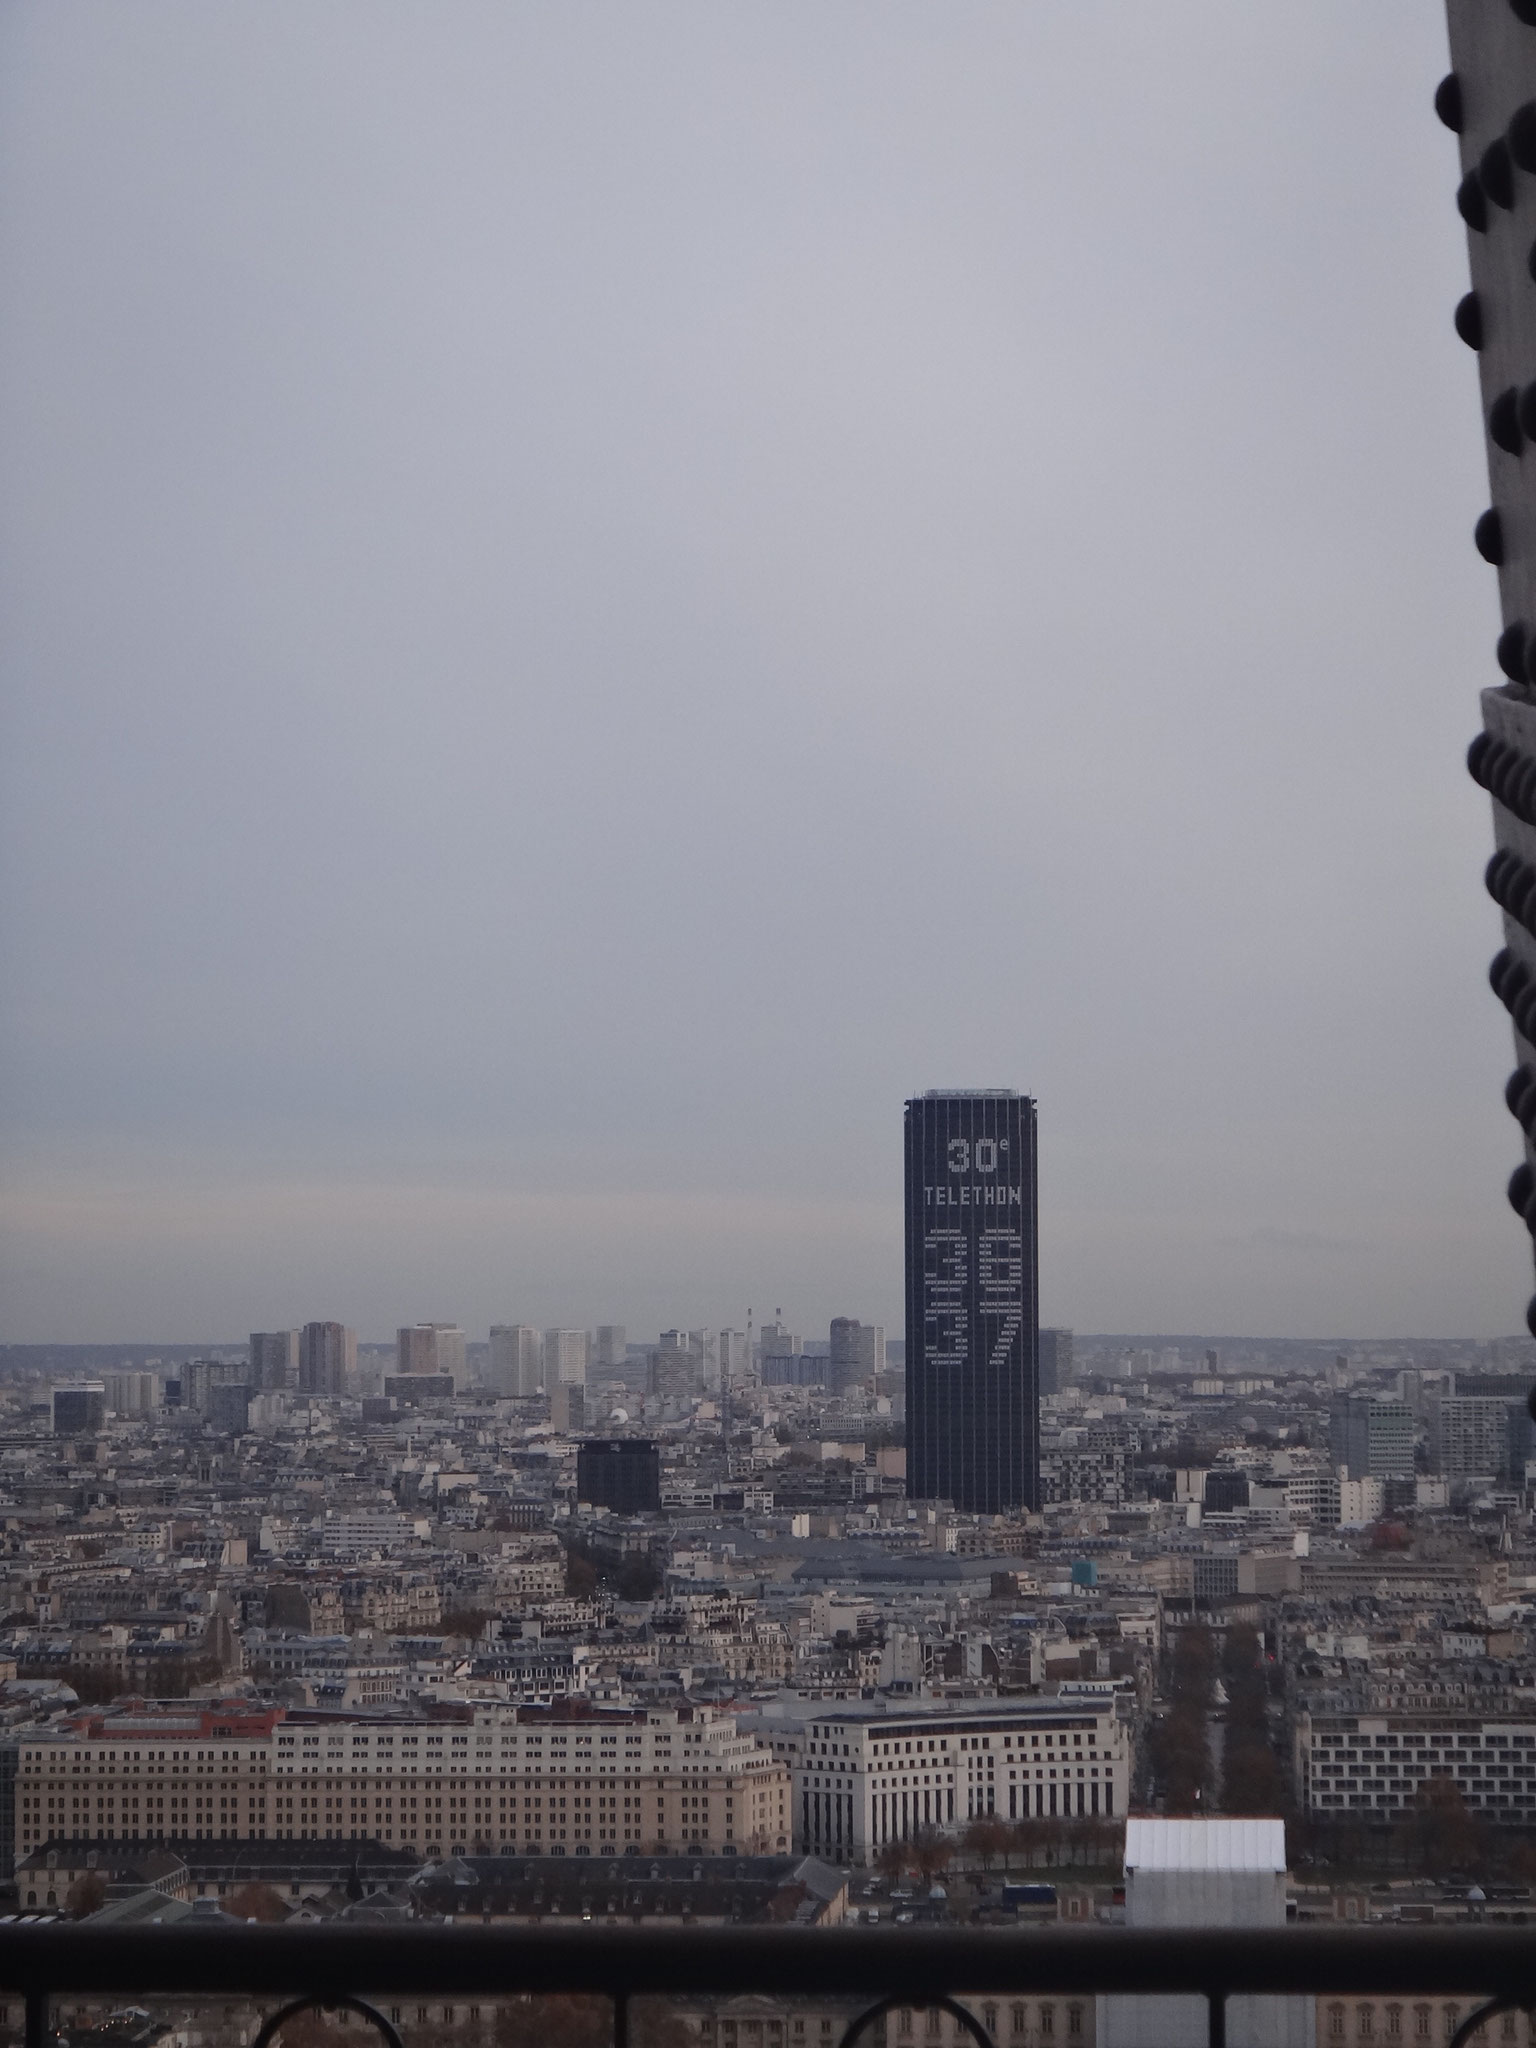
(919, 1967)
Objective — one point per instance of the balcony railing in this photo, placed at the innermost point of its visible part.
(914, 1967)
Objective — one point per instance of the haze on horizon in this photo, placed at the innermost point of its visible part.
(590, 597)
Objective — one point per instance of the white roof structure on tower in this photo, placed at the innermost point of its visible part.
(1156, 1844)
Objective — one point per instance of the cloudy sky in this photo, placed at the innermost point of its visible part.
(592, 595)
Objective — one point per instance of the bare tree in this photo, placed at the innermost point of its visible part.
(986, 1838)
(87, 1895)
(256, 1902)
(930, 1852)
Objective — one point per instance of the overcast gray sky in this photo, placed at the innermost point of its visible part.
(591, 595)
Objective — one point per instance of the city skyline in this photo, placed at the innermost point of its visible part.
(546, 566)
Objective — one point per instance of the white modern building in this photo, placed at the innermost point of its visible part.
(565, 1358)
(1207, 1874)
(516, 1366)
(867, 1775)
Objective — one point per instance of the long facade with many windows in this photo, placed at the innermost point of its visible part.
(1371, 1766)
(562, 1781)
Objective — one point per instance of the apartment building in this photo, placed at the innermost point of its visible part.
(864, 1777)
(1370, 1766)
(1398, 2021)
(752, 2021)
(569, 1780)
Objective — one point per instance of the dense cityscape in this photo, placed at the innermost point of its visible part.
(561, 1622)
(592, 596)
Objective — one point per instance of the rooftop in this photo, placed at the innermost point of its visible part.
(1156, 1844)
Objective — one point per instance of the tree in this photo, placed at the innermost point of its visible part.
(638, 1578)
(654, 2024)
(87, 1895)
(1440, 1834)
(891, 1859)
(256, 1902)
(1250, 1779)
(986, 1838)
(580, 1576)
(1027, 1840)
(931, 1853)
(555, 2022)
(465, 1621)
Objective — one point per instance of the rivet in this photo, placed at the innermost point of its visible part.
(1448, 102)
(1504, 428)
(1497, 173)
(1472, 204)
(1522, 136)
(1468, 317)
(1488, 537)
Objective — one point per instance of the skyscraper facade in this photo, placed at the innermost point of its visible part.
(855, 1353)
(565, 1358)
(1055, 1360)
(451, 1351)
(620, 1473)
(327, 1359)
(416, 1348)
(516, 1364)
(274, 1360)
(1374, 1439)
(973, 1317)
(434, 1348)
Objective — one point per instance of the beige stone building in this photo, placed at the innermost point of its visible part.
(1398, 2022)
(573, 1779)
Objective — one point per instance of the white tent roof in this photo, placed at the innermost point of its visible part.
(1154, 1844)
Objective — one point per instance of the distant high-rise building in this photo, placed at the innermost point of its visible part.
(132, 1393)
(1373, 1438)
(794, 1369)
(1478, 1436)
(565, 1358)
(612, 1348)
(735, 1355)
(855, 1353)
(1056, 1360)
(416, 1348)
(434, 1348)
(201, 1380)
(775, 1341)
(568, 1405)
(673, 1368)
(450, 1347)
(274, 1361)
(734, 1351)
(973, 1409)
(1479, 1424)
(622, 1474)
(78, 1411)
(229, 1406)
(516, 1367)
(327, 1360)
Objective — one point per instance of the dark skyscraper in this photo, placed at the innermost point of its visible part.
(622, 1474)
(973, 1314)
